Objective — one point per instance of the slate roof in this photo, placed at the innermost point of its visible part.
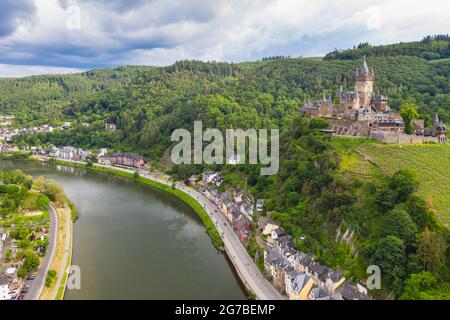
(226, 197)
(335, 275)
(298, 280)
(129, 155)
(350, 292)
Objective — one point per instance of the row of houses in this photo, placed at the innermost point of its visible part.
(7, 134)
(237, 209)
(300, 276)
(211, 177)
(124, 159)
(69, 153)
(9, 282)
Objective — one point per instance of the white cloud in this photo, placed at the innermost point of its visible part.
(18, 71)
(158, 32)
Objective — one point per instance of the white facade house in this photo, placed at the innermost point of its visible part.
(102, 152)
(4, 288)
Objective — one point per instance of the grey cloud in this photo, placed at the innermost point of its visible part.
(11, 12)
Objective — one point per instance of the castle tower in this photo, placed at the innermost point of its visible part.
(364, 83)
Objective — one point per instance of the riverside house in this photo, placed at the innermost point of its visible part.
(4, 288)
(69, 153)
(285, 264)
(124, 159)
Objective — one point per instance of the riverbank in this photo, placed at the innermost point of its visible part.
(207, 222)
(61, 255)
(256, 284)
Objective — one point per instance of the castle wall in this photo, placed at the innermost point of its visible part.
(401, 138)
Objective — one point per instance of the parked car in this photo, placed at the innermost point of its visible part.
(31, 277)
(21, 297)
(27, 286)
(24, 290)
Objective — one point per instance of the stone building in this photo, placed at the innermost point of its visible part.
(361, 105)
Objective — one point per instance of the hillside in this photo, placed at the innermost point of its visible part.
(148, 103)
(429, 48)
(430, 162)
(323, 186)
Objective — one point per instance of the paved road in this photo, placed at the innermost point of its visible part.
(245, 266)
(248, 270)
(66, 251)
(38, 283)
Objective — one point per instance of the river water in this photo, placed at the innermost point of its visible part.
(132, 241)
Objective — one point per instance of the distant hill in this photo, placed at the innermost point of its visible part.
(429, 48)
(148, 103)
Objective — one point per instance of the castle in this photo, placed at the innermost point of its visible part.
(438, 130)
(361, 105)
(363, 113)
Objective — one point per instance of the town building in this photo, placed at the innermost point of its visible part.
(363, 113)
(69, 153)
(298, 285)
(438, 129)
(124, 159)
(4, 288)
(351, 292)
(110, 126)
(361, 105)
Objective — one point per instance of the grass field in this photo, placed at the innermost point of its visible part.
(431, 162)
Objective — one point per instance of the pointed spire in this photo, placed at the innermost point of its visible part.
(365, 66)
(436, 118)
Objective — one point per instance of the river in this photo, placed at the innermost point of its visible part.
(132, 241)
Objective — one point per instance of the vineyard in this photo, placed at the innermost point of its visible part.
(430, 162)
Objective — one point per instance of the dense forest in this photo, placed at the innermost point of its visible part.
(429, 48)
(148, 103)
(309, 196)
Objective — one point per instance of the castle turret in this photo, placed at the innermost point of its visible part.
(364, 83)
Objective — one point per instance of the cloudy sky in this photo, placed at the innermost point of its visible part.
(59, 36)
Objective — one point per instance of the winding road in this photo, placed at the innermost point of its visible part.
(38, 283)
(66, 252)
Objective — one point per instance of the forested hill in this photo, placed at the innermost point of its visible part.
(429, 48)
(148, 103)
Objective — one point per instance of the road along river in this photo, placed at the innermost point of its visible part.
(132, 241)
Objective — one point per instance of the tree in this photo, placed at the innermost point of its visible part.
(404, 182)
(417, 285)
(55, 192)
(8, 255)
(408, 112)
(397, 189)
(149, 134)
(390, 257)
(39, 183)
(419, 212)
(431, 250)
(398, 223)
(31, 263)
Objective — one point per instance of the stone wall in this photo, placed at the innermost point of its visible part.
(402, 138)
